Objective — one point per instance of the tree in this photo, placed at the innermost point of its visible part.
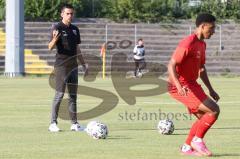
(47, 9)
(130, 10)
(2, 10)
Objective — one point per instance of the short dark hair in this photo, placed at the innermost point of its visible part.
(204, 18)
(69, 6)
(140, 39)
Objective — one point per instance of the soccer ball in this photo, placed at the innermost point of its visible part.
(165, 127)
(97, 130)
(139, 74)
(89, 127)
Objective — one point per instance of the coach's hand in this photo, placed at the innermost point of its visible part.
(56, 35)
(214, 95)
(85, 69)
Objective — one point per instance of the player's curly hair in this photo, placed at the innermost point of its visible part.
(204, 18)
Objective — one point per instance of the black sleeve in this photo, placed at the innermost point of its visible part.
(78, 36)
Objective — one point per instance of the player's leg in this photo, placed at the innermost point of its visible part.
(55, 106)
(59, 93)
(195, 101)
(60, 75)
(72, 86)
(211, 111)
(191, 102)
(142, 65)
(186, 149)
(194, 127)
(136, 67)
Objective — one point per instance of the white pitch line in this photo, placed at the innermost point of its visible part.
(168, 103)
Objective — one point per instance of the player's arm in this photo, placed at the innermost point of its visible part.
(81, 60)
(54, 39)
(173, 76)
(205, 79)
(135, 50)
(79, 55)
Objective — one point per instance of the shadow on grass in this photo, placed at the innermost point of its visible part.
(129, 129)
(220, 128)
(118, 138)
(226, 155)
(179, 134)
(149, 130)
(228, 128)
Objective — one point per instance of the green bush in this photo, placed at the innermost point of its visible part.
(47, 9)
(130, 10)
(2, 10)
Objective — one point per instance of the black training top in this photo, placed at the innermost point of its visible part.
(68, 40)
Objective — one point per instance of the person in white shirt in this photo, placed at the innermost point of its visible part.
(139, 52)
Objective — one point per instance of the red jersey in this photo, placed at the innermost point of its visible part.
(189, 56)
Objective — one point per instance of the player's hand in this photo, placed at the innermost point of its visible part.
(85, 69)
(56, 35)
(182, 91)
(214, 95)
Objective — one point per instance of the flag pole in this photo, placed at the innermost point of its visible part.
(104, 65)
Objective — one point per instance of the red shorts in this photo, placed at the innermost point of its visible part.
(195, 96)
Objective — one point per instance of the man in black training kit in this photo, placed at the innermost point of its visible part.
(66, 38)
(139, 52)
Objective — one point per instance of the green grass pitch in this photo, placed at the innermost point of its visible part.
(25, 111)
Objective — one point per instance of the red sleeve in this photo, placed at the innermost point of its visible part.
(203, 59)
(180, 54)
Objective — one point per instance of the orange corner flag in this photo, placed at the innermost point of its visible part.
(103, 54)
(103, 50)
